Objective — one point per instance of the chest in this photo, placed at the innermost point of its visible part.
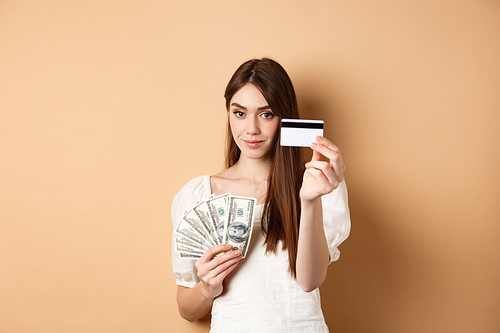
(242, 188)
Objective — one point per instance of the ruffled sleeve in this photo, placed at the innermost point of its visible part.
(336, 219)
(195, 190)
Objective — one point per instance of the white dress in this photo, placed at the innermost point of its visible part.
(260, 295)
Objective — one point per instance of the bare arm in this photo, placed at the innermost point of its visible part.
(312, 255)
(195, 302)
(191, 302)
(320, 178)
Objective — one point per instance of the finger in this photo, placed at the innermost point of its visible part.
(338, 167)
(211, 269)
(332, 152)
(325, 142)
(207, 261)
(326, 169)
(336, 163)
(217, 281)
(326, 179)
(316, 155)
(219, 260)
(329, 151)
(213, 251)
(231, 265)
(318, 175)
(225, 264)
(213, 281)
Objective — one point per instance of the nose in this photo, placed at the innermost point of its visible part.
(253, 126)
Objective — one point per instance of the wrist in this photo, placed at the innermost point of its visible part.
(204, 291)
(310, 203)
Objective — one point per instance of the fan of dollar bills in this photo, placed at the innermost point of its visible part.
(224, 219)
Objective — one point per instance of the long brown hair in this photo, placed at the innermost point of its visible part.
(282, 206)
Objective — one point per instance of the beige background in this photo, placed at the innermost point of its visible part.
(108, 107)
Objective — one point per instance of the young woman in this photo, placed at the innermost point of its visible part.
(302, 216)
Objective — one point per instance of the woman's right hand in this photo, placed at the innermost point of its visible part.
(213, 270)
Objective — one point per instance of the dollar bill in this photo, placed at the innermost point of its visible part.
(201, 210)
(189, 256)
(186, 242)
(194, 221)
(223, 219)
(240, 223)
(187, 250)
(218, 208)
(185, 229)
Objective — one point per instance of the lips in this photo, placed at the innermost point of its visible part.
(253, 143)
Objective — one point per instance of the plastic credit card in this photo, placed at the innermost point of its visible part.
(300, 132)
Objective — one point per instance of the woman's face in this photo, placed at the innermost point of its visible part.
(253, 124)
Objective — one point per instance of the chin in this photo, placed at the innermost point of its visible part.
(254, 154)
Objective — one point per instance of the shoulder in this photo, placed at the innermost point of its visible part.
(196, 189)
(197, 184)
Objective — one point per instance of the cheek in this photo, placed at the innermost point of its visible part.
(234, 126)
(274, 129)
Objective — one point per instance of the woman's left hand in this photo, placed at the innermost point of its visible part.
(322, 177)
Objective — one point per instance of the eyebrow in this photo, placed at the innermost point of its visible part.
(266, 107)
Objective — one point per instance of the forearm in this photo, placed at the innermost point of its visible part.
(312, 254)
(193, 304)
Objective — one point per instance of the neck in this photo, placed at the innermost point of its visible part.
(256, 170)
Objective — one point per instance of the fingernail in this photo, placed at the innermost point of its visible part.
(237, 253)
(314, 144)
